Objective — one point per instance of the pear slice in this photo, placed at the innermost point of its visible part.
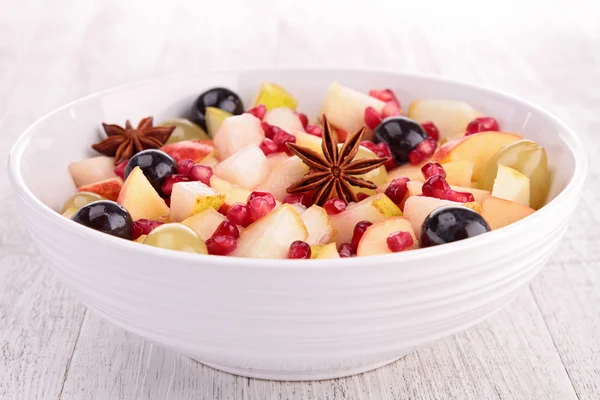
(282, 177)
(205, 223)
(189, 198)
(374, 240)
(511, 185)
(273, 96)
(140, 198)
(319, 226)
(214, 119)
(322, 251)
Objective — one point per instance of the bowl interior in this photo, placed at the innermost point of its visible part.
(65, 135)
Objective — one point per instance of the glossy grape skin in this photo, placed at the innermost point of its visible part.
(401, 134)
(106, 216)
(448, 224)
(156, 166)
(218, 97)
(175, 236)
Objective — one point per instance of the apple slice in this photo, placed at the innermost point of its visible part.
(412, 172)
(284, 118)
(417, 208)
(205, 222)
(108, 188)
(511, 185)
(236, 133)
(274, 96)
(214, 119)
(459, 172)
(210, 161)
(140, 198)
(451, 117)
(322, 251)
(374, 209)
(246, 168)
(307, 140)
(477, 148)
(141, 238)
(272, 235)
(415, 189)
(282, 177)
(189, 198)
(92, 170)
(345, 107)
(274, 160)
(374, 240)
(195, 150)
(319, 226)
(500, 212)
(233, 193)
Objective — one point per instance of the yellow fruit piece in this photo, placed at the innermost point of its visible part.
(322, 251)
(511, 185)
(205, 223)
(79, 200)
(176, 236)
(190, 198)
(214, 118)
(140, 199)
(451, 117)
(459, 172)
(184, 130)
(318, 224)
(374, 240)
(273, 96)
(499, 212)
(141, 239)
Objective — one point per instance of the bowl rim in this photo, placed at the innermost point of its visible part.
(569, 193)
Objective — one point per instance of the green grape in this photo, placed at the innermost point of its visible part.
(77, 201)
(175, 236)
(184, 130)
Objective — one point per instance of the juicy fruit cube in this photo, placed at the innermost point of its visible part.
(236, 133)
(311, 141)
(140, 198)
(282, 177)
(77, 201)
(500, 212)
(274, 160)
(317, 222)
(451, 117)
(176, 236)
(272, 235)
(374, 209)
(233, 193)
(184, 130)
(415, 189)
(512, 185)
(108, 188)
(412, 172)
(92, 170)
(195, 150)
(214, 119)
(345, 107)
(459, 172)
(141, 238)
(246, 168)
(284, 118)
(189, 198)
(273, 96)
(325, 251)
(374, 240)
(205, 222)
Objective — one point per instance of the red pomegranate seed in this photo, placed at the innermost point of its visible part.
(269, 147)
(372, 118)
(303, 119)
(266, 195)
(345, 250)
(423, 151)
(371, 146)
(167, 186)
(431, 130)
(385, 95)
(201, 173)
(221, 245)
(304, 198)
(239, 214)
(359, 231)
(334, 206)
(281, 138)
(223, 209)
(120, 169)
(299, 250)
(258, 111)
(314, 130)
(435, 186)
(399, 241)
(184, 166)
(391, 109)
(383, 150)
(144, 227)
(259, 207)
(397, 190)
(433, 168)
(268, 130)
(341, 134)
(482, 124)
(227, 228)
(361, 196)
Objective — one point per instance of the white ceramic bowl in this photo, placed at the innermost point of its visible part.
(278, 319)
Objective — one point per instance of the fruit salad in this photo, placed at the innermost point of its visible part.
(364, 177)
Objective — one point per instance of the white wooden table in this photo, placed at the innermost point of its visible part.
(546, 345)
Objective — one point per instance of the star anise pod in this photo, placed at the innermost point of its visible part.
(123, 143)
(334, 173)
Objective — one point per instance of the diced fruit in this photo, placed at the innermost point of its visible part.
(323, 251)
(239, 214)
(246, 168)
(221, 98)
(345, 250)
(482, 124)
(415, 189)
(195, 150)
(167, 186)
(478, 149)
(307, 140)
(221, 245)
(511, 185)
(209, 161)
(156, 166)
(108, 188)
(105, 216)
(77, 201)
(378, 176)
(345, 107)
(299, 250)
(205, 222)
(236, 133)
(527, 157)
(500, 212)
(358, 232)
(282, 177)
(374, 239)
(412, 172)
(189, 198)
(143, 227)
(214, 120)
(92, 170)
(451, 223)
(140, 198)
(459, 172)
(402, 135)
(175, 236)
(275, 160)
(374, 209)
(334, 206)
(234, 194)
(417, 208)
(449, 116)
(184, 130)
(272, 235)
(320, 229)
(141, 239)
(274, 96)
(284, 118)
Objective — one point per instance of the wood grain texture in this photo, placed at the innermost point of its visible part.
(546, 345)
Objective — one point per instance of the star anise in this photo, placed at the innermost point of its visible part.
(334, 173)
(123, 143)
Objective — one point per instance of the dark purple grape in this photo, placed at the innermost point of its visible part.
(448, 224)
(401, 134)
(218, 97)
(106, 216)
(156, 166)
